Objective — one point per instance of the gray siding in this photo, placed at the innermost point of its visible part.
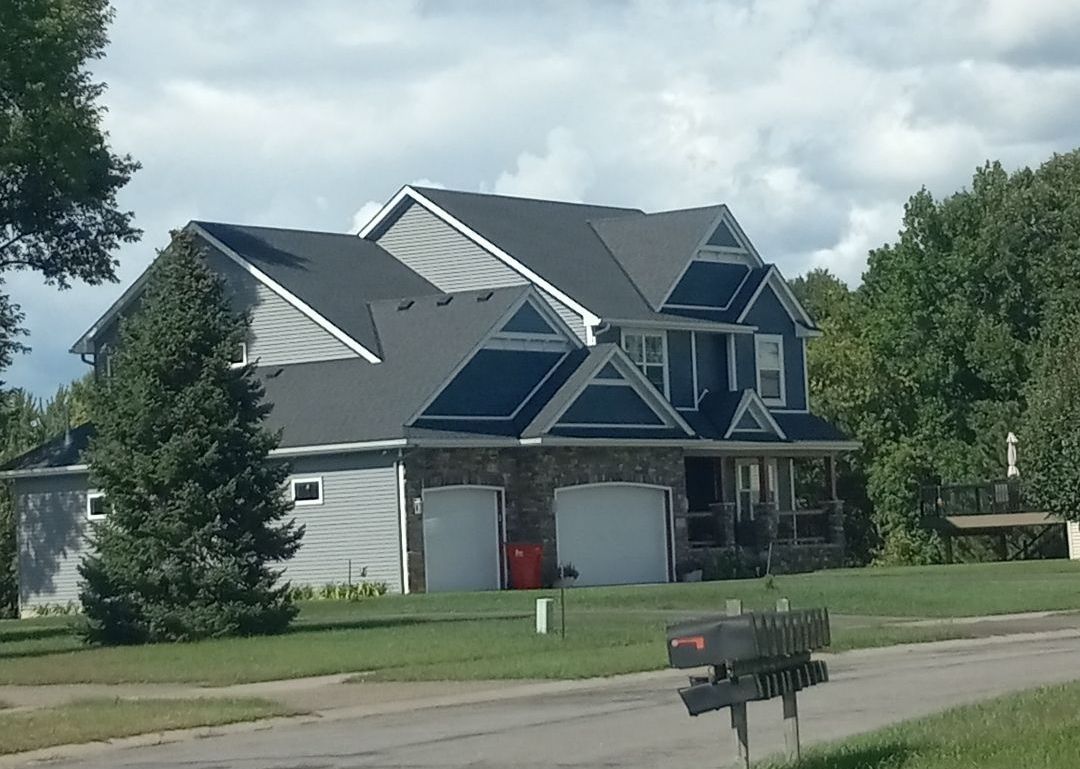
(52, 528)
(280, 333)
(452, 262)
(358, 520)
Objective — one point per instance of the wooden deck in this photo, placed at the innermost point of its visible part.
(990, 523)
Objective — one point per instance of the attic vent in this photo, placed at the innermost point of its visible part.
(484, 297)
(405, 304)
(442, 301)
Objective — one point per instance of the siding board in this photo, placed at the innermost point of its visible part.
(280, 334)
(51, 530)
(452, 262)
(1072, 531)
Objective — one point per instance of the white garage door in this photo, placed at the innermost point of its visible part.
(613, 534)
(461, 538)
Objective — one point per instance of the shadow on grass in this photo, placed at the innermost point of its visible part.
(35, 633)
(890, 755)
(370, 623)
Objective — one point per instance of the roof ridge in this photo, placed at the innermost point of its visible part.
(526, 198)
(618, 262)
(276, 229)
(662, 213)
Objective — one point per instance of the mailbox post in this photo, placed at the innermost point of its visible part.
(750, 657)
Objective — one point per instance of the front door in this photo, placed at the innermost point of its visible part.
(748, 486)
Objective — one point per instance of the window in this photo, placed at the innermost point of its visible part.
(748, 486)
(239, 356)
(96, 506)
(770, 369)
(307, 491)
(649, 353)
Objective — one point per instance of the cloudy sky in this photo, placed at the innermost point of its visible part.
(813, 120)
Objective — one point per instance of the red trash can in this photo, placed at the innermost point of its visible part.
(525, 565)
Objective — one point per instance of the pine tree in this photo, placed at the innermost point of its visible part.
(196, 528)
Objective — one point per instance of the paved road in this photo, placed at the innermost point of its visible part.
(633, 722)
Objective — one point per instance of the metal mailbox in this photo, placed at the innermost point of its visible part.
(751, 657)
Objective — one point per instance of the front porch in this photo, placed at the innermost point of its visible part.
(782, 509)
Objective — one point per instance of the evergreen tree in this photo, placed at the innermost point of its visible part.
(196, 527)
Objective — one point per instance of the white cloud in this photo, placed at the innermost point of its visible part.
(564, 172)
(813, 121)
(365, 214)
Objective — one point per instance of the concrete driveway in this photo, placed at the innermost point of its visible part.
(633, 721)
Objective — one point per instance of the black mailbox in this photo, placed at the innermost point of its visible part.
(747, 637)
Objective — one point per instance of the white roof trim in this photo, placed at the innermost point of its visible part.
(784, 294)
(288, 296)
(679, 323)
(751, 398)
(729, 219)
(546, 420)
(41, 472)
(337, 448)
(587, 315)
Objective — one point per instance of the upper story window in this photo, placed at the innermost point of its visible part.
(648, 351)
(96, 506)
(307, 491)
(770, 369)
(239, 358)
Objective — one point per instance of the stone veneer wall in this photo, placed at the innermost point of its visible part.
(529, 477)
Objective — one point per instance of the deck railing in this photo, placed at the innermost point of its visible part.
(988, 498)
(717, 527)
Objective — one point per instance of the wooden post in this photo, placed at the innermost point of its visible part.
(739, 727)
(763, 481)
(830, 475)
(791, 708)
(948, 548)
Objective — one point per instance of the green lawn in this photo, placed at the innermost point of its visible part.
(489, 635)
(1034, 730)
(101, 719)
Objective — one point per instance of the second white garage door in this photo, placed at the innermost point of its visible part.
(613, 533)
(461, 538)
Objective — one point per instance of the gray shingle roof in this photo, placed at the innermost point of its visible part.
(60, 451)
(554, 240)
(653, 249)
(336, 274)
(351, 400)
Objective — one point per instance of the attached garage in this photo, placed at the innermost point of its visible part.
(461, 538)
(614, 533)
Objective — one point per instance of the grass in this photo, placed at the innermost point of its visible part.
(93, 720)
(489, 635)
(1039, 729)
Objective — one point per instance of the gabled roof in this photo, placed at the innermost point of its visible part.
(332, 275)
(653, 249)
(599, 363)
(335, 273)
(348, 400)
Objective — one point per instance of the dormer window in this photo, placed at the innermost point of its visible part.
(648, 351)
(770, 369)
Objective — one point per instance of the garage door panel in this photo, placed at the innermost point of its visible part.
(613, 534)
(461, 541)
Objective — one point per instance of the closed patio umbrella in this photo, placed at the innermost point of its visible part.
(1013, 471)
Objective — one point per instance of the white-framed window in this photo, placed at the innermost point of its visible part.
(107, 362)
(770, 369)
(307, 491)
(648, 351)
(97, 507)
(239, 358)
(748, 486)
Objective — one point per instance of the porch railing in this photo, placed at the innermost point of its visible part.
(803, 527)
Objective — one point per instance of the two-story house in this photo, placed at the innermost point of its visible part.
(626, 389)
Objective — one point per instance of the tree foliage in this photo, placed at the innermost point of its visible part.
(58, 176)
(928, 362)
(196, 529)
(1051, 436)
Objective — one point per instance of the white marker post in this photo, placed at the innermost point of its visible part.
(544, 609)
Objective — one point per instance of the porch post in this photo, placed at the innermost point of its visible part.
(830, 475)
(763, 481)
